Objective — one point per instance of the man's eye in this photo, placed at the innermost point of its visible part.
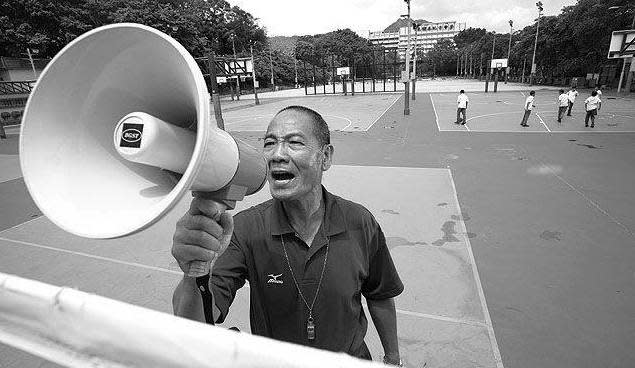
(269, 143)
(296, 143)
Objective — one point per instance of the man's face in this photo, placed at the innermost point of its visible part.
(294, 156)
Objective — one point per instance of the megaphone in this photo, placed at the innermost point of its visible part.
(117, 130)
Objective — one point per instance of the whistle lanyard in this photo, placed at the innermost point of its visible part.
(310, 326)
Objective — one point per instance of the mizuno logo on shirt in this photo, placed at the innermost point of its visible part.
(273, 279)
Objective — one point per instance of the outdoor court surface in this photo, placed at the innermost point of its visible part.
(516, 249)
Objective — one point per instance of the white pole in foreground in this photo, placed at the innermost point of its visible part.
(406, 109)
(77, 329)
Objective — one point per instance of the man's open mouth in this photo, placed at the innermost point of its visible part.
(282, 176)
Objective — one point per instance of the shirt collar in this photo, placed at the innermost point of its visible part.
(333, 217)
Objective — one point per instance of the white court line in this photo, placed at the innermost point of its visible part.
(479, 286)
(442, 318)
(380, 115)
(112, 260)
(435, 111)
(344, 118)
(24, 223)
(541, 131)
(543, 123)
(589, 200)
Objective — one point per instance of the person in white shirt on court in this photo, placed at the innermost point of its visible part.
(598, 90)
(462, 102)
(529, 105)
(563, 103)
(572, 95)
(592, 106)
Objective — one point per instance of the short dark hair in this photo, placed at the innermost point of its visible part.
(594, 93)
(562, 91)
(320, 127)
(532, 92)
(462, 91)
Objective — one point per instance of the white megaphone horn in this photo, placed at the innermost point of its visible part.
(107, 124)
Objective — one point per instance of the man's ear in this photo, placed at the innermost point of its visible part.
(327, 156)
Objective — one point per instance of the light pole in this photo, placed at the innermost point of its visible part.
(533, 59)
(489, 68)
(414, 66)
(406, 108)
(253, 74)
(273, 83)
(232, 36)
(509, 48)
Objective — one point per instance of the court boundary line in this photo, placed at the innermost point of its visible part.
(477, 279)
(381, 115)
(589, 200)
(165, 270)
(543, 122)
(542, 131)
(435, 111)
(92, 256)
(20, 224)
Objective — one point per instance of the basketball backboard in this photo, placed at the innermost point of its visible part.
(498, 63)
(622, 44)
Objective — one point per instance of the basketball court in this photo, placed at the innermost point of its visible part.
(502, 111)
(449, 205)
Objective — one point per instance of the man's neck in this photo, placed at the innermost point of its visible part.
(306, 214)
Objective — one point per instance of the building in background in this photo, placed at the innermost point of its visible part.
(395, 36)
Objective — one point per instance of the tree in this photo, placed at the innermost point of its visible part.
(442, 58)
(48, 25)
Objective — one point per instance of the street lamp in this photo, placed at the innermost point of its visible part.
(406, 109)
(415, 26)
(533, 59)
(233, 36)
(509, 48)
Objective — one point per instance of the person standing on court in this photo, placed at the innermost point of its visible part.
(462, 102)
(592, 105)
(529, 105)
(309, 256)
(573, 93)
(598, 90)
(563, 103)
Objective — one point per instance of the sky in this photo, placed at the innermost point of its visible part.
(302, 17)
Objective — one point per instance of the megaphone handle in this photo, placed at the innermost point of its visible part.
(202, 268)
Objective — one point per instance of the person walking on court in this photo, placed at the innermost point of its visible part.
(563, 103)
(529, 105)
(572, 95)
(592, 105)
(462, 102)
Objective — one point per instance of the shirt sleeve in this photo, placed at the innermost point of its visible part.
(383, 281)
(228, 275)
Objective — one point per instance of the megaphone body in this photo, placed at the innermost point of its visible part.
(117, 130)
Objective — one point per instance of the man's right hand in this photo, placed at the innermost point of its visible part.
(202, 234)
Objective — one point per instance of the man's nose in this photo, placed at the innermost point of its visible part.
(279, 152)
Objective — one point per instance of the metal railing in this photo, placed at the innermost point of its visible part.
(15, 88)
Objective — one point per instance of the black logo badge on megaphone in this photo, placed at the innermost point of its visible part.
(131, 94)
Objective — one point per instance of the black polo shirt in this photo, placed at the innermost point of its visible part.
(358, 263)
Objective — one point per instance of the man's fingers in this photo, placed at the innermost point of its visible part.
(203, 223)
(186, 253)
(207, 207)
(198, 237)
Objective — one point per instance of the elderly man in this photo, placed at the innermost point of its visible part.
(308, 255)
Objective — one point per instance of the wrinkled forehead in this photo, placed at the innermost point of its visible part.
(289, 123)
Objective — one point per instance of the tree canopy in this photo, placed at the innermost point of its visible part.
(572, 43)
(48, 25)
